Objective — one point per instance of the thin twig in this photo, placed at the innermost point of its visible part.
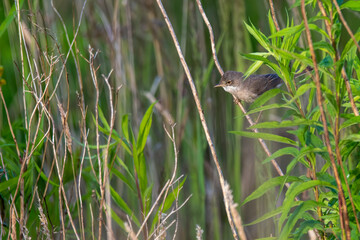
(212, 39)
(273, 15)
(106, 184)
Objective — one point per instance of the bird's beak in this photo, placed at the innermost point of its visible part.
(219, 85)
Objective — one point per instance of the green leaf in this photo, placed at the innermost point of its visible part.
(11, 183)
(5, 24)
(352, 121)
(117, 219)
(357, 202)
(122, 204)
(253, 67)
(318, 30)
(351, 4)
(257, 57)
(306, 226)
(142, 174)
(286, 123)
(283, 151)
(288, 31)
(271, 214)
(259, 36)
(129, 182)
(301, 90)
(43, 176)
(324, 46)
(265, 97)
(170, 198)
(294, 190)
(352, 137)
(265, 136)
(273, 182)
(303, 58)
(298, 214)
(268, 107)
(349, 45)
(144, 130)
(125, 127)
(103, 119)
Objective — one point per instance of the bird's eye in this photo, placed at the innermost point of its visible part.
(228, 82)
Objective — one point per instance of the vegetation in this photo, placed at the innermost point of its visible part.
(100, 137)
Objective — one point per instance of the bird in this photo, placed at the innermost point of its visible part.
(248, 89)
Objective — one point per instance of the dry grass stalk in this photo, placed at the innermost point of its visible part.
(66, 128)
(200, 111)
(43, 220)
(13, 224)
(129, 230)
(234, 212)
(199, 232)
(251, 122)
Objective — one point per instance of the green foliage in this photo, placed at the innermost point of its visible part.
(320, 211)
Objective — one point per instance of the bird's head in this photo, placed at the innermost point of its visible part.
(231, 81)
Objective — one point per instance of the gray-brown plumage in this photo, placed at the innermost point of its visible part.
(249, 89)
(253, 86)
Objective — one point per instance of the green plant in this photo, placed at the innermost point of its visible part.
(324, 119)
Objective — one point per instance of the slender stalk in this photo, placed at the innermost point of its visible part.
(273, 15)
(201, 114)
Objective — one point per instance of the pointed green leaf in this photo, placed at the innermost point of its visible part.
(351, 4)
(265, 97)
(259, 36)
(271, 214)
(295, 189)
(257, 57)
(286, 123)
(281, 152)
(122, 204)
(352, 121)
(129, 182)
(117, 219)
(298, 214)
(125, 127)
(265, 136)
(144, 130)
(103, 119)
(10, 17)
(43, 176)
(273, 182)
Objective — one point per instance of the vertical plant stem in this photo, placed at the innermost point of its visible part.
(201, 114)
(273, 15)
(354, 108)
(342, 203)
(251, 122)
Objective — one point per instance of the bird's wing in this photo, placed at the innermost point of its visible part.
(258, 84)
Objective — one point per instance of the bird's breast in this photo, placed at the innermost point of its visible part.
(241, 93)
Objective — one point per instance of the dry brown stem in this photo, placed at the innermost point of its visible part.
(201, 114)
(251, 122)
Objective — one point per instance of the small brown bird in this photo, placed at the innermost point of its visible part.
(253, 86)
